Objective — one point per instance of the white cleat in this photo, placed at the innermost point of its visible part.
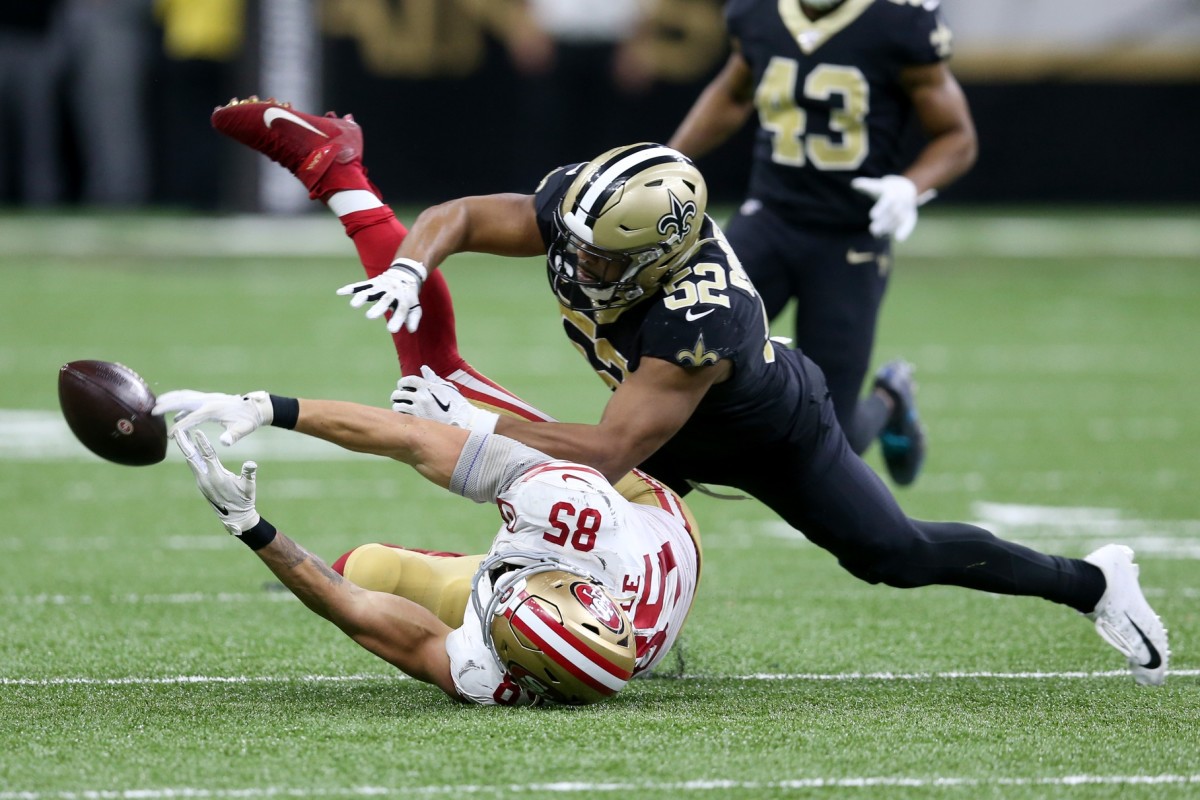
(1125, 620)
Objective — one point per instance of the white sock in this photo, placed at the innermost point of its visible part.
(343, 203)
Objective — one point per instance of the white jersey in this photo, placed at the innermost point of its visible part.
(644, 555)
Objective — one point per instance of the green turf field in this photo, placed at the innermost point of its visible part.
(144, 654)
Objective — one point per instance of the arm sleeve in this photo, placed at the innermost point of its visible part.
(489, 463)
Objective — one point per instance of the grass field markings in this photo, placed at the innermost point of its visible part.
(1098, 234)
(582, 787)
(1083, 527)
(807, 677)
(201, 679)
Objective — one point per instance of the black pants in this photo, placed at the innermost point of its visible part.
(838, 280)
(817, 484)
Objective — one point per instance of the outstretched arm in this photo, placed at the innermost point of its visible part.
(646, 410)
(429, 447)
(497, 224)
(393, 628)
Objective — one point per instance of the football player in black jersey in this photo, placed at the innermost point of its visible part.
(835, 83)
(652, 294)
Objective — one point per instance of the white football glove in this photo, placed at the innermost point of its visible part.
(895, 211)
(430, 397)
(398, 290)
(240, 415)
(231, 496)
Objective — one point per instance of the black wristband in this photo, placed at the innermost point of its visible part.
(258, 537)
(285, 411)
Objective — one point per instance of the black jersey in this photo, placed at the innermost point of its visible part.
(829, 101)
(708, 311)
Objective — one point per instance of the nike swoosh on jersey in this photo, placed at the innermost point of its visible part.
(273, 114)
(859, 256)
(692, 317)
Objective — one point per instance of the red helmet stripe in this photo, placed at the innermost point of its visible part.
(557, 642)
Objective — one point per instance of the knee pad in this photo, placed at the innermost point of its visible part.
(441, 584)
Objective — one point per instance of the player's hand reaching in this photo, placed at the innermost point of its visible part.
(240, 415)
(397, 290)
(430, 397)
(895, 211)
(231, 496)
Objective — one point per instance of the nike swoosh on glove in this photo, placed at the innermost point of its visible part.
(231, 496)
(398, 290)
(895, 211)
(430, 397)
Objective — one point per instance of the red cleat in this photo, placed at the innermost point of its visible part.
(325, 153)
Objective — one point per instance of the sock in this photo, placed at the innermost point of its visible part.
(377, 235)
(439, 582)
(870, 417)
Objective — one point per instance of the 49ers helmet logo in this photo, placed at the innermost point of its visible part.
(678, 223)
(598, 605)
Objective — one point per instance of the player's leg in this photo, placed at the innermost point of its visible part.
(325, 154)
(840, 290)
(841, 505)
(439, 581)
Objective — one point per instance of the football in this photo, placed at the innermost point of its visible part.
(107, 406)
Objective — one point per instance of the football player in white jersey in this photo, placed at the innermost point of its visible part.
(582, 588)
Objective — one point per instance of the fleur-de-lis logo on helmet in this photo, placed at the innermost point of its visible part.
(677, 224)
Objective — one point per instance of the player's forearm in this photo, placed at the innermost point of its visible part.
(498, 224)
(322, 590)
(428, 446)
(584, 444)
(944, 160)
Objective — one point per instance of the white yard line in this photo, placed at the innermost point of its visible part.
(587, 787)
(812, 677)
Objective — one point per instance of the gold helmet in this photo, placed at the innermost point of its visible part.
(634, 216)
(554, 628)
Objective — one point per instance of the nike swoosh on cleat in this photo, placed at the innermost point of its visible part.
(1155, 659)
(691, 317)
(272, 114)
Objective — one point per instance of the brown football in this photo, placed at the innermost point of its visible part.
(107, 406)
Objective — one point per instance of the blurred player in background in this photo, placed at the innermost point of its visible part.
(835, 84)
(653, 296)
(581, 590)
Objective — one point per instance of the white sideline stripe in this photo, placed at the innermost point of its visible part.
(811, 676)
(29, 435)
(1100, 233)
(573, 787)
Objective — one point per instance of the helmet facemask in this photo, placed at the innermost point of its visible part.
(630, 218)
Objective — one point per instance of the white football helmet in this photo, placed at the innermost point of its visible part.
(553, 627)
(633, 214)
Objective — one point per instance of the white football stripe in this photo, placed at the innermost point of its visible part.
(596, 672)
